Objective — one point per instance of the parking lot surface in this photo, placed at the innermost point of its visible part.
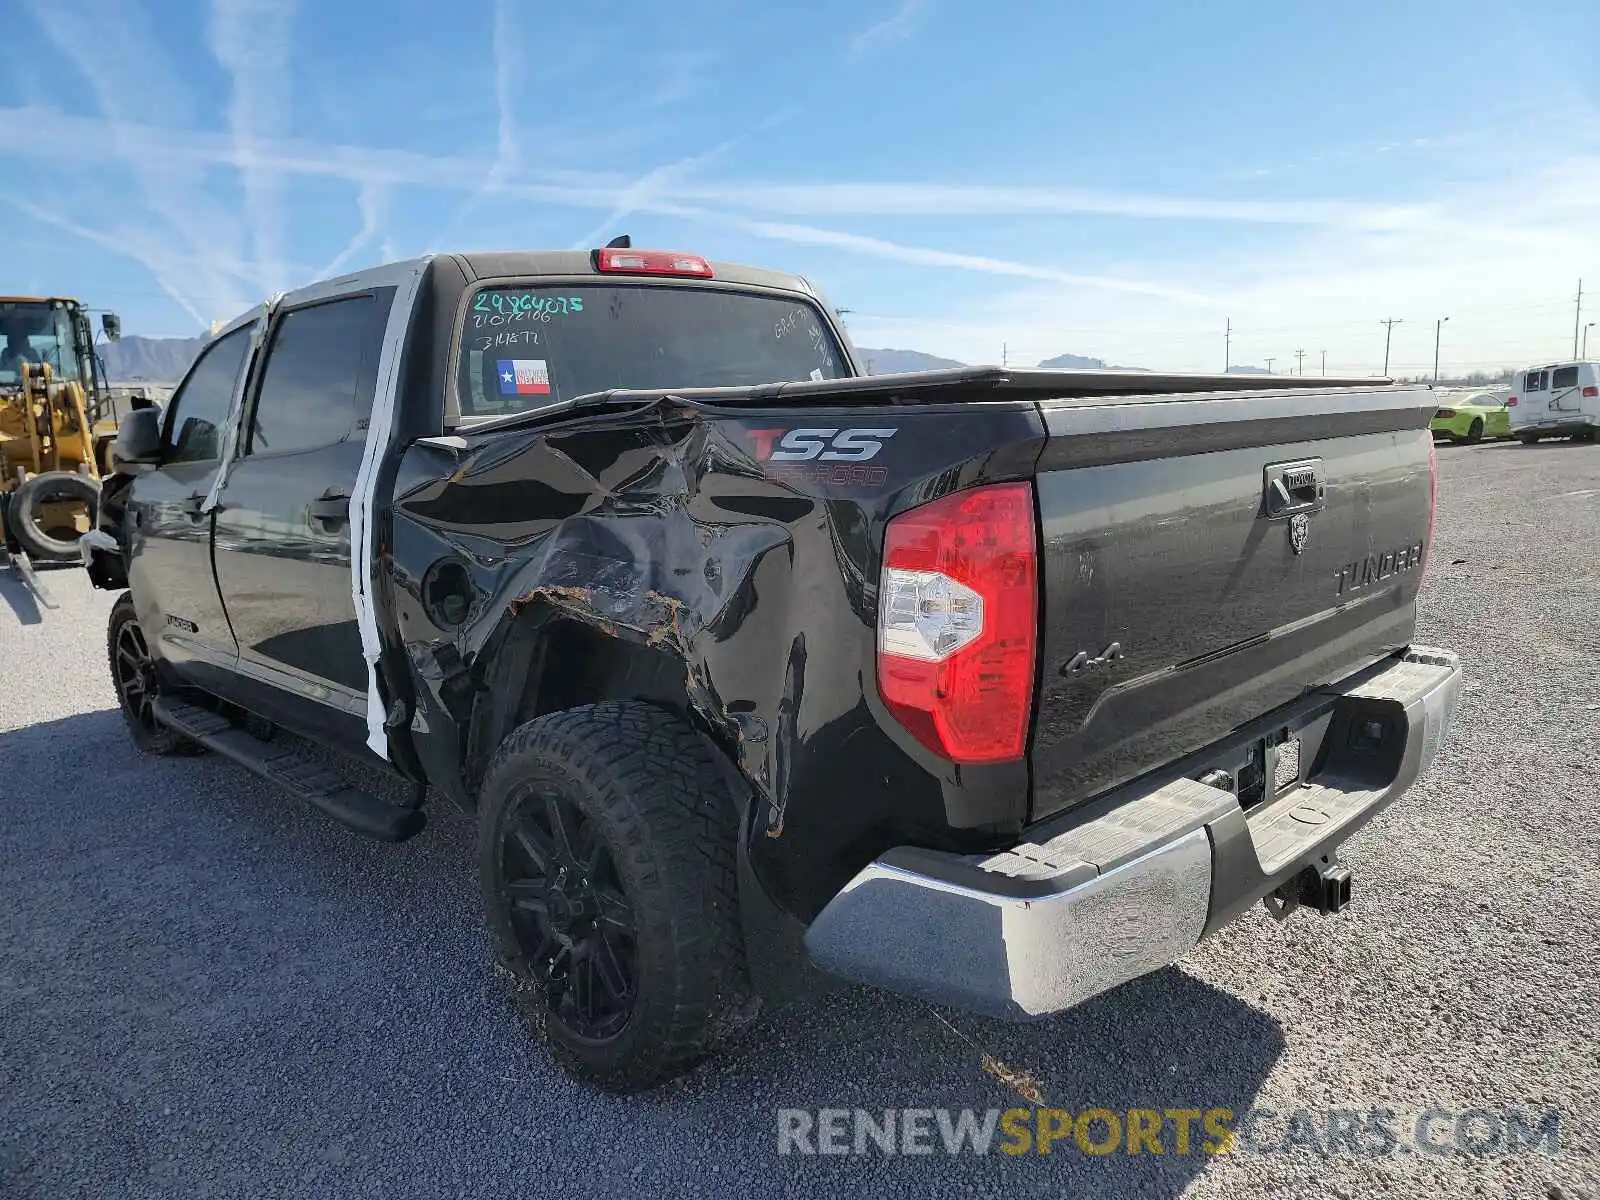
(208, 989)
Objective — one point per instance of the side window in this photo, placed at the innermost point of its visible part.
(317, 387)
(199, 411)
(1534, 382)
(1564, 377)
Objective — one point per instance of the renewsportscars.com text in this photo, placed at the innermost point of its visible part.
(1370, 1132)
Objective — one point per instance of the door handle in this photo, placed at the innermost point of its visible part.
(1293, 487)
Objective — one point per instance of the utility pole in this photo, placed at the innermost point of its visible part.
(1005, 354)
(1586, 329)
(1227, 347)
(1388, 324)
(1324, 362)
(1300, 360)
(1437, 327)
(1576, 317)
(1270, 361)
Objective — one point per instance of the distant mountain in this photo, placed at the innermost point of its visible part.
(1082, 362)
(1074, 362)
(892, 362)
(149, 360)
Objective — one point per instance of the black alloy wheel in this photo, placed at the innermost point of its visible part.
(571, 916)
(136, 676)
(607, 847)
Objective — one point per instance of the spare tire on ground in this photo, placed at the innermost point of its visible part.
(25, 517)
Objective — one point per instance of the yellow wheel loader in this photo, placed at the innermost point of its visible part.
(56, 425)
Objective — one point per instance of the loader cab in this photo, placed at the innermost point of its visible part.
(54, 330)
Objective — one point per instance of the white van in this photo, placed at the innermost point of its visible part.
(1561, 400)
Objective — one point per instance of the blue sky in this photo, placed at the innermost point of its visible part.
(965, 175)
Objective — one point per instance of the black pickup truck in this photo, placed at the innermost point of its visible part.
(992, 687)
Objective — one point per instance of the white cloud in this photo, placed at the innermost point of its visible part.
(506, 155)
(372, 200)
(252, 39)
(187, 240)
(897, 26)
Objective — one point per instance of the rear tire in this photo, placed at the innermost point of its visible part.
(606, 856)
(26, 518)
(1475, 431)
(138, 683)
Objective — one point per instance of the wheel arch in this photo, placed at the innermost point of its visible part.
(547, 659)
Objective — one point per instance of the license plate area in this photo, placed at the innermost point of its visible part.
(1276, 763)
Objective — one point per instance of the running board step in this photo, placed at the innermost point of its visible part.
(299, 776)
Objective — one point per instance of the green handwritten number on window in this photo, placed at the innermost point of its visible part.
(522, 305)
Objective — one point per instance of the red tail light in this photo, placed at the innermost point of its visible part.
(1591, 391)
(1511, 402)
(1445, 412)
(651, 262)
(957, 622)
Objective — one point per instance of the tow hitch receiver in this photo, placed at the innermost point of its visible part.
(1324, 886)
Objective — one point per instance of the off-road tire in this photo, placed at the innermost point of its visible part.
(650, 786)
(148, 736)
(24, 515)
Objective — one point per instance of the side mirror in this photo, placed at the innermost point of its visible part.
(138, 445)
(111, 325)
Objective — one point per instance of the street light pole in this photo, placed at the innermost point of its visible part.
(1324, 362)
(1270, 361)
(1437, 326)
(1586, 328)
(1388, 324)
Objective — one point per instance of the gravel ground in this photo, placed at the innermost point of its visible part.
(206, 989)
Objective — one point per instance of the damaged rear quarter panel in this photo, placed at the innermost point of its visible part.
(659, 528)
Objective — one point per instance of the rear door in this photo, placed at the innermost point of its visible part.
(283, 527)
(1565, 396)
(1536, 397)
(169, 533)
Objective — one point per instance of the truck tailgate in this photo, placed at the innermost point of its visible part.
(1209, 558)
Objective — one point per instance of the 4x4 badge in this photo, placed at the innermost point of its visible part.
(1299, 532)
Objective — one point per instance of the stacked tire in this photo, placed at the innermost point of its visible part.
(26, 520)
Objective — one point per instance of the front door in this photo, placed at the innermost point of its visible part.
(169, 531)
(283, 525)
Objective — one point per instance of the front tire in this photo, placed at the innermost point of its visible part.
(606, 858)
(1475, 431)
(138, 682)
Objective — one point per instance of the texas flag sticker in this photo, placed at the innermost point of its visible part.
(523, 377)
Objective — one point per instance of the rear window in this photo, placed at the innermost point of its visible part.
(523, 347)
(1564, 377)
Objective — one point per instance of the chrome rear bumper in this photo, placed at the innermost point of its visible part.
(1127, 890)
